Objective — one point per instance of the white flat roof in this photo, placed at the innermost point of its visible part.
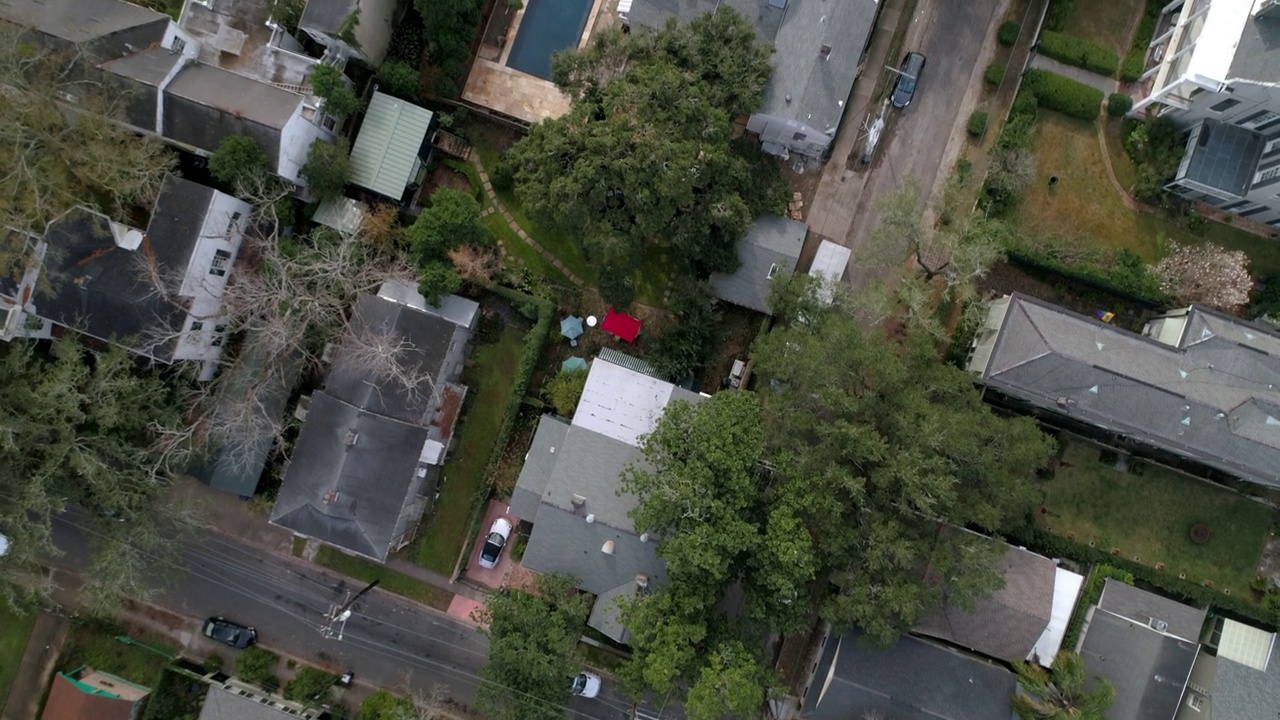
(619, 403)
(1219, 37)
(831, 261)
(1246, 645)
(1066, 588)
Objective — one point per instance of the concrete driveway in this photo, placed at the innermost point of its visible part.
(485, 577)
(923, 140)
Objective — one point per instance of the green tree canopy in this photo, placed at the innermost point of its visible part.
(531, 650)
(449, 26)
(327, 170)
(644, 156)
(452, 219)
(1060, 693)
(398, 79)
(88, 429)
(238, 160)
(688, 344)
(564, 390)
(332, 86)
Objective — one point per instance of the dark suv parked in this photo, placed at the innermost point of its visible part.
(905, 88)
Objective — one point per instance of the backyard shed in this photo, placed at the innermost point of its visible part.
(387, 153)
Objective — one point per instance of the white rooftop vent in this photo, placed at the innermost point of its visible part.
(578, 500)
(1158, 625)
(351, 438)
(642, 581)
(644, 537)
(607, 547)
(591, 518)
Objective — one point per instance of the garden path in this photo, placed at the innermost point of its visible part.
(1105, 84)
(515, 226)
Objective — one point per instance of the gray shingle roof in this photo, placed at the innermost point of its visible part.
(913, 680)
(139, 77)
(205, 105)
(818, 86)
(771, 247)
(1204, 397)
(539, 463)
(427, 338)
(564, 542)
(1007, 624)
(1148, 670)
(92, 284)
(221, 704)
(350, 495)
(1243, 693)
(1140, 606)
(1257, 56)
(81, 21)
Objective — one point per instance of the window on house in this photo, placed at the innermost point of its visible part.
(221, 259)
(178, 45)
(1194, 702)
(798, 136)
(231, 225)
(329, 123)
(1225, 105)
(1269, 174)
(196, 326)
(219, 334)
(1262, 119)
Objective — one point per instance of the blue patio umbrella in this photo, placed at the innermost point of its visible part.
(573, 363)
(571, 327)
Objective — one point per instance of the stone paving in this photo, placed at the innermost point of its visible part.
(515, 226)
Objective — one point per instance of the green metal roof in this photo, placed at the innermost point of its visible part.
(383, 157)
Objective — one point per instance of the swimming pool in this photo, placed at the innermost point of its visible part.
(548, 26)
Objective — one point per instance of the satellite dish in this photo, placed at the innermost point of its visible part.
(591, 321)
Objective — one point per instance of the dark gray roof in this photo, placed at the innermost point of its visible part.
(138, 77)
(564, 542)
(1224, 156)
(1243, 693)
(1257, 56)
(539, 463)
(1148, 670)
(350, 495)
(111, 28)
(1214, 396)
(428, 338)
(913, 680)
(94, 285)
(236, 466)
(773, 242)
(328, 16)
(220, 704)
(590, 465)
(818, 86)
(1007, 624)
(204, 105)
(1127, 601)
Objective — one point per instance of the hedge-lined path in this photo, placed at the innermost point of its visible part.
(1102, 82)
(515, 226)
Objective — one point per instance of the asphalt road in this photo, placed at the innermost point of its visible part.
(951, 35)
(388, 641)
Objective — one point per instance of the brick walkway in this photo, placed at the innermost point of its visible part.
(515, 226)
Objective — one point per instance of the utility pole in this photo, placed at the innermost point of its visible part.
(339, 614)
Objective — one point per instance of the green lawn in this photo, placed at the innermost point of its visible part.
(14, 630)
(561, 245)
(518, 249)
(388, 579)
(488, 377)
(1105, 22)
(1149, 515)
(94, 643)
(1084, 203)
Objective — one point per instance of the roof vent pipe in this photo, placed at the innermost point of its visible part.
(607, 548)
(591, 518)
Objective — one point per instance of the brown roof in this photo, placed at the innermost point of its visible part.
(1007, 624)
(67, 701)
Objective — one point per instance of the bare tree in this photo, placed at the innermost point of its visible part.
(1207, 274)
(382, 353)
(474, 264)
(1011, 170)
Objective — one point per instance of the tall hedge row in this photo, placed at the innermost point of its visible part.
(1136, 58)
(1079, 52)
(1063, 94)
(543, 311)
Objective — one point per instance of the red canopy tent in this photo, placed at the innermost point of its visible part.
(621, 324)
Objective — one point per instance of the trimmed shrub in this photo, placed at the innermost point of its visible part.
(1059, 12)
(544, 311)
(1079, 52)
(255, 665)
(1008, 34)
(1064, 95)
(994, 74)
(1119, 104)
(977, 126)
(1135, 59)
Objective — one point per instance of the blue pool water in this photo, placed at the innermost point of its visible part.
(548, 26)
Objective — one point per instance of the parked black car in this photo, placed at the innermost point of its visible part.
(220, 629)
(905, 88)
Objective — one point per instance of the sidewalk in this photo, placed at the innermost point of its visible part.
(44, 644)
(1105, 84)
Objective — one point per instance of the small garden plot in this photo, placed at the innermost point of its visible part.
(1148, 514)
